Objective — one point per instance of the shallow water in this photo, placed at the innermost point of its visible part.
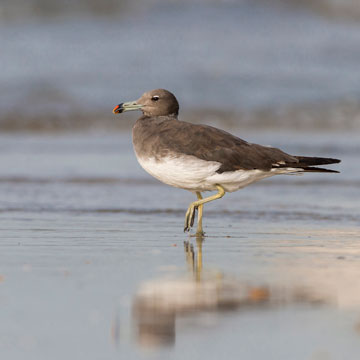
(92, 256)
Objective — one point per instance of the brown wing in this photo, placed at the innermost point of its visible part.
(211, 144)
(160, 136)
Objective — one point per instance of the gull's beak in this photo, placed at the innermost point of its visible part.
(127, 106)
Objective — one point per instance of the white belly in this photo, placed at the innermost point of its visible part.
(186, 172)
(190, 173)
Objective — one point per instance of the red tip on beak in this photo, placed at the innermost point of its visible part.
(118, 109)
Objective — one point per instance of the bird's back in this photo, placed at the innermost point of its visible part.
(157, 137)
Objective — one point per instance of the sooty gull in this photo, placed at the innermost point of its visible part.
(203, 158)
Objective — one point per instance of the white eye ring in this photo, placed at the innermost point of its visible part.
(155, 98)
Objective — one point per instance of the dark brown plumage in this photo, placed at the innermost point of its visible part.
(164, 135)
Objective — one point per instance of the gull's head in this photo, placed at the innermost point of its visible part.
(159, 102)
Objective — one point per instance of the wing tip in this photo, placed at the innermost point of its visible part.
(313, 160)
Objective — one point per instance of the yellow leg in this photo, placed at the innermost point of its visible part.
(190, 214)
(199, 230)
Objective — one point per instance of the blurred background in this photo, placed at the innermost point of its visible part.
(247, 63)
(92, 262)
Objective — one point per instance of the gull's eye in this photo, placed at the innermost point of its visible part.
(155, 98)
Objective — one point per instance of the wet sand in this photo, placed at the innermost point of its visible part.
(90, 243)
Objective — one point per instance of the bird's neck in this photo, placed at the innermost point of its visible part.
(159, 118)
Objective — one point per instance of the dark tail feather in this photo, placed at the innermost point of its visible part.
(306, 163)
(309, 161)
(316, 169)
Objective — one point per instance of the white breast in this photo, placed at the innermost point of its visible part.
(190, 173)
(186, 172)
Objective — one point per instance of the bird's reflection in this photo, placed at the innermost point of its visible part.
(194, 259)
(158, 303)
